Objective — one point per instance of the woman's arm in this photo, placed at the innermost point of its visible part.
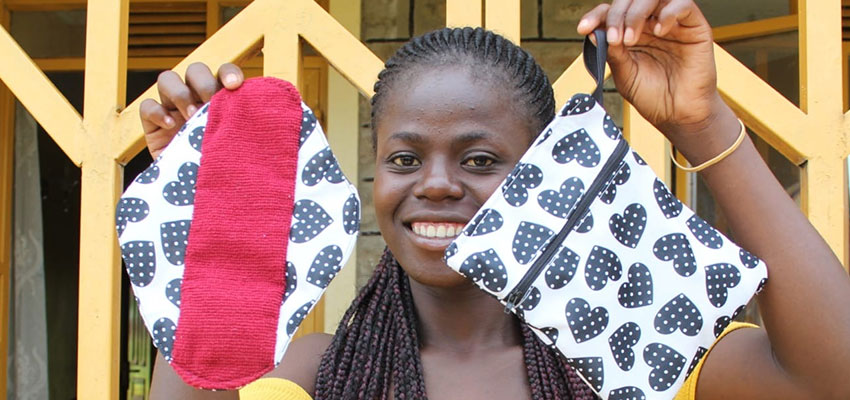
(666, 70)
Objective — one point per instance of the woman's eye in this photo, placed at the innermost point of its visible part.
(479, 161)
(405, 161)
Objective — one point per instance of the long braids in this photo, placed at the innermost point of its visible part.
(376, 345)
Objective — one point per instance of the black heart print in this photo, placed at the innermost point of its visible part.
(149, 175)
(543, 137)
(559, 203)
(586, 223)
(679, 313)
(325, 266)
(164, 333)
(291, 280)
(172, 291)
(602, 264)
(610, 128)
(351, 215)
(519, 181)
(578, 104)
(621, 343)
(637, 291)
(451, 250)
(626, 393)
(670, 206)
(750, 261)
(530, 301)
(704, 232)
(676, 247)
(551, 333)
(638, 159)
(562, 268)
(585, 323)
(196, 138)
(182, 191)
(607, 196)
(299, 316)
(591, 369)
(628, 228)
(175, 237)
(529, 237)
(488, 220)
(310, 220)
(718, 279)
(666, 365)
(487, 268)
(308, 124)
(761, 285)
(577, 146)
(140, 260)
(722, 322)
(322, 165)
(698, 356)
(130, 210)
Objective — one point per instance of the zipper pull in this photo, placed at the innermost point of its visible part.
(514, 299)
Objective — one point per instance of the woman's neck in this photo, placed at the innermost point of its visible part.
(462, 319)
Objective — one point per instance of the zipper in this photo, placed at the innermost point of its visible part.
(521, 290)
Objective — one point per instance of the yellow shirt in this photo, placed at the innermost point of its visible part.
(282, 389)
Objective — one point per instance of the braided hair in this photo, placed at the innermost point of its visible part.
(486, 53)
(376, 345)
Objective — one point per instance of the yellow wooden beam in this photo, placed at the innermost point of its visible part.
(820, 56)
(762, 108)
(282, 55)
(344, 51)
(824, 200)
(503, 17)
(648, 142)
(464, 13)
(99, 329)
(35, 91)
(574, 80)
(762, 27)
(235, 41)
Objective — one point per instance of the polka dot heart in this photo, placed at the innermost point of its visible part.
(308, 124)
(175, 237)
(577, 146)
(621, 343)
(670, 206)
(578, 104)
(562, 268)
(559, 203)
(586, 223)
(196, 138)
(610, 193)
(487, 268)
(325, 266)
(298, 316)
(718, 279)
(486, 221)
(628, 227)
(676, 247)
(637, 291)
(323, 165)
(351, 215)
(528, 239)
(602, 264)
(140, 260)
(698, 356)
(585, 322)
(164, 332)
(130, 210)
(309, 220)
(679, 313)
(626, 393)
(291, 280)
(172, 291)
(532, 299)
(666, 365)
(610, 128)
(706, 235)
(591, 369)
(182, 191)
(551, 333)
(750, 261)
(149, 175)
(519, 181)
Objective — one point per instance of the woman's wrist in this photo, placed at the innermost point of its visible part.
(700, 143)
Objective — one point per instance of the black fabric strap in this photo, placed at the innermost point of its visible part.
(594, 60)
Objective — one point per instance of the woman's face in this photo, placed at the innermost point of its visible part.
(445, 140)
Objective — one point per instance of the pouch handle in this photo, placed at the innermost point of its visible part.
(594, 60)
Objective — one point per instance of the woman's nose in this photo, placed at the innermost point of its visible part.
(438, 182)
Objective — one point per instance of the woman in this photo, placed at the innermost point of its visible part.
(453, 112)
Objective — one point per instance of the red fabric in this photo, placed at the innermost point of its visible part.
(234, 275)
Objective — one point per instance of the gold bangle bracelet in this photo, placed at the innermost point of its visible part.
(716, 158)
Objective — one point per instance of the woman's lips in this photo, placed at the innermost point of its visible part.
(437, 229)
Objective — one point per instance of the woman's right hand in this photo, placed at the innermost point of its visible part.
(181, 99)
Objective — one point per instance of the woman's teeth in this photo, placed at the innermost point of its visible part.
(437, 230)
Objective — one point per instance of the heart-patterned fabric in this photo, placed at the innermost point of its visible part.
(640, 286)
(154, 215)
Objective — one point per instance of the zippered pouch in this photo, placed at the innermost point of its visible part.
(231, 236)
(587, 246)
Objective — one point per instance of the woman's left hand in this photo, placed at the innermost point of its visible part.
(662, 61)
